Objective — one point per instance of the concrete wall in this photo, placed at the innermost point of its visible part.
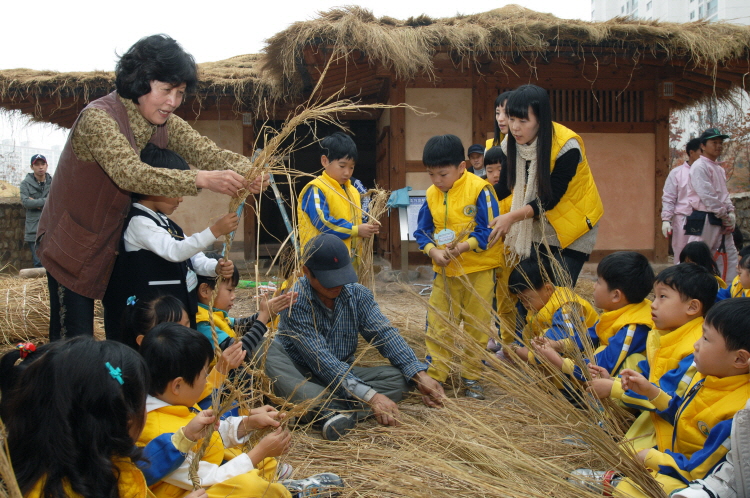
(14, 252)
(195, 214)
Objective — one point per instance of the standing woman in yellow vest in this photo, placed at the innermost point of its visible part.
(553, 196)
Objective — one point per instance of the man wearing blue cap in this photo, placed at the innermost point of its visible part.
(313, 354)
(34, 192)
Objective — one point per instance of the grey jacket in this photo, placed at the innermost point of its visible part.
(33, 197)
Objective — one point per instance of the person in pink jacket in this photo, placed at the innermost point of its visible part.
(713, 218)
(675, 206)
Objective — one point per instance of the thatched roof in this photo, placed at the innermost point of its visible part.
(59, 97)
(511, 35)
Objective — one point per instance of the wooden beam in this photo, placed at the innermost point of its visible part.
(607, 127)
(661, 163)
(414, 166)
(481, 104)
(397, 171)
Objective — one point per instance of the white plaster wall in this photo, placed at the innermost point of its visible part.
(452, 114)
(197, 213)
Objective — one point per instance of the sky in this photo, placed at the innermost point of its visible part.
(85, 35)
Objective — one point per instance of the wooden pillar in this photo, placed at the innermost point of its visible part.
(397, 160)
(662, 163)
(250, 225)
(482, 112)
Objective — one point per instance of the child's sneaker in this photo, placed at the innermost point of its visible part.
(284, 471)
(336, 426)
(595, 480)
(318, 485)
(473, 389)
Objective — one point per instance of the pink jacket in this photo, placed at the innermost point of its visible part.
(676, 197)
(708, 188)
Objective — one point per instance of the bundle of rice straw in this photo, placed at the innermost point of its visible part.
(8, 484)
(378, 198)
(24, 309)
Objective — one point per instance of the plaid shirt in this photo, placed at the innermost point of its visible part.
(325, 340)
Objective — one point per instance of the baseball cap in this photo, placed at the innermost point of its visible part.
(38, 157)
(476, 148)
(712, 133)
(328, 258)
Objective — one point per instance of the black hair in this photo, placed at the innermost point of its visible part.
(172, 350)
(629, 272)
(155, 156)
(501, 100)
(698, 252)
(692, 282)
(443, 150)
(693, 144)
(531, 273)
(70, 416)
(11, 369)
(524, 100)
(493, 155)
(155, 57)
(745, 259)
(339, 146)
(147, 313)
(731, 319)
(211, 281)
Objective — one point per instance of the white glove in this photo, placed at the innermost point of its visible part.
(666, 228)
(730, 220)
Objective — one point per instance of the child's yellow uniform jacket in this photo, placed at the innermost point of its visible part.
(237, 477)
(130, 483)
(325, 206)
(702, 421)
(466, 208)
(560, 319)
(619, 338)
(669, 365)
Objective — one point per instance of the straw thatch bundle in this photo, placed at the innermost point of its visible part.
(24, 309)
(510, 34)
(376, 208)
(8, 484)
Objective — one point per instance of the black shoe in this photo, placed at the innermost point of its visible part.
(336, 426)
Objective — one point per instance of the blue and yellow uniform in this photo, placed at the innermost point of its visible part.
(701, 439)
(462, 290)
(669, 364)
(326, 206)
(734, 290)
(619, 338)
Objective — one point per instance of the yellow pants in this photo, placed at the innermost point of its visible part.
(466, 299)
(642, 434)
(506, 305)
(256, 483)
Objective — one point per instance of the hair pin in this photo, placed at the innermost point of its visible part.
(116, 373)
(25, 348)
(131, 301)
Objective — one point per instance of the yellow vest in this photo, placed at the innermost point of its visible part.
(538, 323)
(343, 203)
(169, 419)
(130, 483)
(456, 210)
(610, 322)
(721, 282)
(736, 290)
(220, 320)
(580, 207)
(664, 351)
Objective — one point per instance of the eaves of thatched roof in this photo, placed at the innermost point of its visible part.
(58, 97)
(509, 35)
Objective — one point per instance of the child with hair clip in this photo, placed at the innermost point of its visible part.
(156, 257)
(177, 359)
(741, 284)
(83, 399)
(697, 252)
